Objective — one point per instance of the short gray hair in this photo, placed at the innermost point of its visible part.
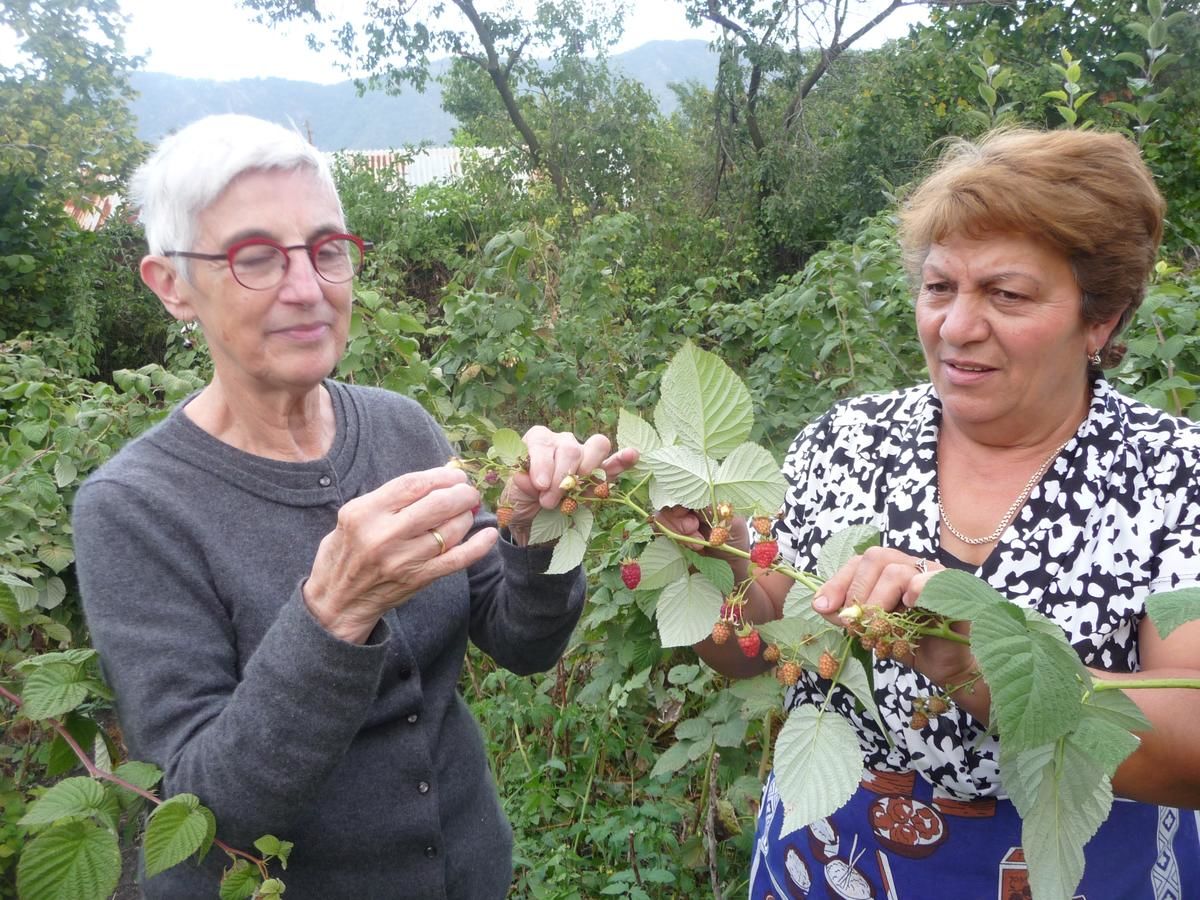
(191, 169)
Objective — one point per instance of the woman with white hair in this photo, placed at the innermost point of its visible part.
(282, 576)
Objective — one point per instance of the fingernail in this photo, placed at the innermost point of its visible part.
(821, 603)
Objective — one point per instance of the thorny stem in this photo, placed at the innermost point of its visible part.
(1132, 685)
(96, 772)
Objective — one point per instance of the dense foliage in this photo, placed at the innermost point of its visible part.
(509, 297)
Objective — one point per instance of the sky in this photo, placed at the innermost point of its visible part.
(217, 39)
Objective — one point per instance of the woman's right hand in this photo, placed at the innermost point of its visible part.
(695, 524)
(385, 548)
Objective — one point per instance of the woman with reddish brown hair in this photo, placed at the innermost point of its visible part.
(1017, 462)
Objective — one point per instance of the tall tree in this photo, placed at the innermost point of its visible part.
(395, 42)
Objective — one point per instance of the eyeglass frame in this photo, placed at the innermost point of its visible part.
(309, 248)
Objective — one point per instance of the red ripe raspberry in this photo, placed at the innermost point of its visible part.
(789, 673)
(568, 506)
(937, 705)
(631, 573)
(718, 536)
(504, 516)
(919, 721)
(762, 524)
(602, 490)
(751, 643)
(771, 653)
(764, 553)
(827, 665)
(722, 631)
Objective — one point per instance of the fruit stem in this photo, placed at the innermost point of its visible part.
(1136, 684)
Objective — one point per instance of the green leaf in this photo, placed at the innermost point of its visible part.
(1105, 744)
(818, 765)
(683, 673)
(78, 860)
(842, 546)
(672, 759)
(569, 551)
(239, 882)
(508, 446)
(1170, 609)
(54, 689)
(1068, 799)
(758, 696)
(548, 525)
(74, 798)
(55, 556)
(751, 480)
(959, 596)
(682, 477)
(662, 562)
(76, 656)
(10, 611)
(798, 604)
(634, 431)
(718, 571)
(65, 472)
(704, 403)
(1035, 690)
(686, 610)
(271, 888)
(175, 830)
(142, 774)
(1118, 708)
(853, 676)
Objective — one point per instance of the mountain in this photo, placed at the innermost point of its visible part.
(337, 118)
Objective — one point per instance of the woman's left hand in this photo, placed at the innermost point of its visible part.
(552, 457)
(889, 579)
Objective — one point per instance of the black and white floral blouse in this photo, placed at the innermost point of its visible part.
(1115, 518)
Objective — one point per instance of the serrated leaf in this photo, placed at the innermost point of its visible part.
(682, 477)
(507, 446)
(53, 689)
(959, 596)
(790, 634)
(177, 829)
(78, 860)
(686, 610)
(818, 765)
(1118, 708)
(54, 592)
(718, 571)
(798, 605)
(751, 480)
(271, 888)
(704, 403)
(854, 677)
(568, 552)
(634, 431)
(548, 525)
(1105, 744)
(65, 471)
(1071, 802)
(141, 774)
(758, 696)
(683, 673)
(672, 759)
(1171, 609)
(55, 556)
(842, 545)
(1035, 692)
(662, 562)
(239, 882)
(694, 729)
(74, 798)
(10, 611)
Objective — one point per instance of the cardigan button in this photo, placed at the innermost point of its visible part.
(324, 481)
(431, 851)
(423, 787)
(412, 718)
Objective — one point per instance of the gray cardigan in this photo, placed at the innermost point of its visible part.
(190, 556)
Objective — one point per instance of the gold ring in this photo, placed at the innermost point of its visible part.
(922, 566)
(441, 540)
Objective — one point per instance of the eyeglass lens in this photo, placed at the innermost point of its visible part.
(260, 266)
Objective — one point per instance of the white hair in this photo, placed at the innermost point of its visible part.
(191, 169)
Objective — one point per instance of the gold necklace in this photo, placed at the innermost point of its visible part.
(1012, 510)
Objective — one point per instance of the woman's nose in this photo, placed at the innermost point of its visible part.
(965, 320)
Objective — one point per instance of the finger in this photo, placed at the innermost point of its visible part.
(568, 456)
(406, 489)
(460, 556)
(835, 593)
(595, 451)
(432, 510)
(620, 462)
(912, 596)
(540, 442)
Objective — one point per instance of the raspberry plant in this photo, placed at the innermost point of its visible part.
(1063, 733)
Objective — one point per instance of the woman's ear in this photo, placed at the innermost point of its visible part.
(1100, 332)
(161, 276)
